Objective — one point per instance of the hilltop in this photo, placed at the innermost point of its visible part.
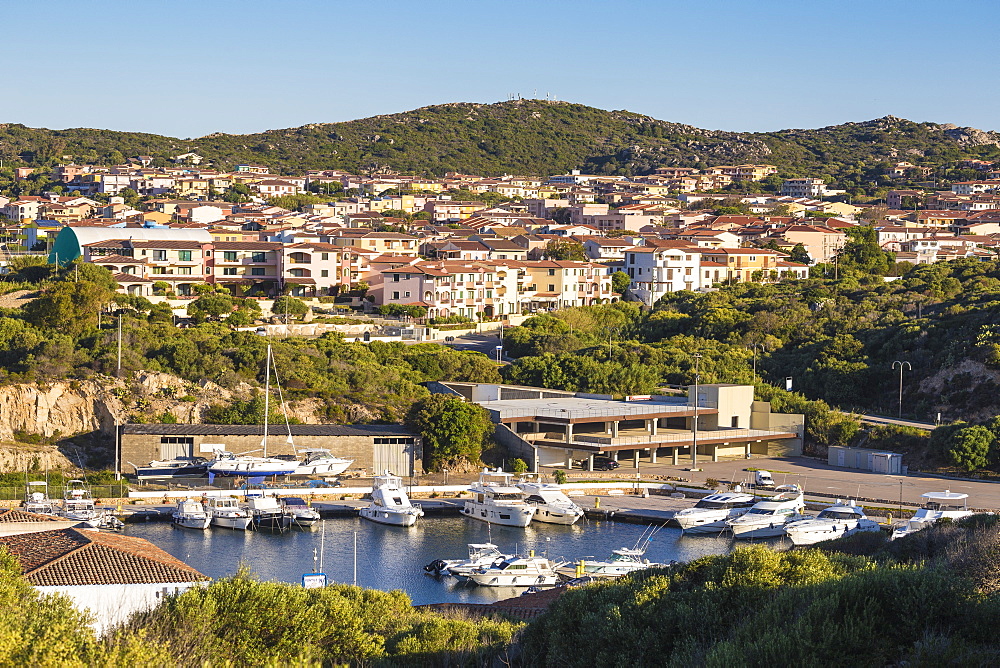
(520, 136)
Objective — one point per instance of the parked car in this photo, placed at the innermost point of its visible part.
(605, 464)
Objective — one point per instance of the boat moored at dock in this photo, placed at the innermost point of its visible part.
(836, 521)
(191, 514)
(551, 505)
(767, 518)
(496, 500)
(530, 571)
(709, 515)
(390, 504)
(227, 513)
(938, 505)
(302, 514)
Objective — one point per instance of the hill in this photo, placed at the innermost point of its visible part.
(525, 137)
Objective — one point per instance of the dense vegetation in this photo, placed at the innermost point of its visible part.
(927, 599)
(526, 137)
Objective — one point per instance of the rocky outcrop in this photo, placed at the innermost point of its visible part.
(66, 408)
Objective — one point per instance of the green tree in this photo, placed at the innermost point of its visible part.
(800, 254)
(969, 447)
(237, 193)
(212, 305)
(620, 282)
(565, 250)
(452, 429)
(862, 253)
(69, 307)
(295, 308)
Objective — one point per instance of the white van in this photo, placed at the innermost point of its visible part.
(763, 479)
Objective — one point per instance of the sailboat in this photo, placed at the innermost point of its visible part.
(244, 465)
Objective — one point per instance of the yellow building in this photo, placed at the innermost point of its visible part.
(743, 264)
(550, 284)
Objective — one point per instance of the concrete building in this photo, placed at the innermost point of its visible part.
(373, 447)
(554, 428)
(658, 271)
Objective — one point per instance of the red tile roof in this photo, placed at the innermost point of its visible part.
(78, 557)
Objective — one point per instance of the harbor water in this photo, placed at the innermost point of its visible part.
(394, 557)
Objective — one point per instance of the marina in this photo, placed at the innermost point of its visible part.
(394, 557)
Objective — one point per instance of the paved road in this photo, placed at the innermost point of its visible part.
(819, 477)
(484, 343)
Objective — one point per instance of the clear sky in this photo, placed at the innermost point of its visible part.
(190, 67)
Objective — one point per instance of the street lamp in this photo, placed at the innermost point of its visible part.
(901, 365)
(694, 421)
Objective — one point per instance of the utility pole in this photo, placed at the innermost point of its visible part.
(910, 368)
(119, 345)
(694, 422)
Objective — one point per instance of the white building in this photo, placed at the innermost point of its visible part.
(109, 575)
(803, 188)
(658, 271)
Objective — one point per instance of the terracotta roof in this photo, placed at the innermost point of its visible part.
(18, 515)
(121, 277)
(76, 557)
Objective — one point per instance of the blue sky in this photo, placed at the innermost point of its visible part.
(187, 68)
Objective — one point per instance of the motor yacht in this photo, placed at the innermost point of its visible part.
(266, 514)
(390, 505)
(244, 465)
(767, 518)
(709, 515)
(36, 499)
(301, 513)
(191, 514)
(939, 505)
(227, 513)
(182, 467)
(527, 571)
(840, 519)
(497, 501)
(480, 556)
(319, 461)
(621, 562)
(551, 505)
(78, 505)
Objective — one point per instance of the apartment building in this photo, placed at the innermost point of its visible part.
(246, 267)
(390, 243)
(448, 288)
(803, 188)
(552, 284)
(313, 269)
(656, 271)
(138, 264)
(744, 265)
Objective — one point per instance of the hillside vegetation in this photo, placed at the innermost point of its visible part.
(525, 137)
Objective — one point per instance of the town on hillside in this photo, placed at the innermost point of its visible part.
(467, 246)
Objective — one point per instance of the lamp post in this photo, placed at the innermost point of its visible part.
(694, 422)
(901, 365)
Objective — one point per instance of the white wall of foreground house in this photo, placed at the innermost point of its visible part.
(110, 605)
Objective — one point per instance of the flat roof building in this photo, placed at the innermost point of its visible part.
(556, 428)
(374, 447)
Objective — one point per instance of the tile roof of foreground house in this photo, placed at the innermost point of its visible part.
(18, 515)
(72, 557)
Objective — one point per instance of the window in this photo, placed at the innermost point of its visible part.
(395, 295)
(552, 272)
(159, 255)
(229, 256)
(406, 294)
(324, 256)
(184, 255)
(229, 271)
(324, 273)
(185, 440)
(552, 287)
(259, 257)
(186, 271)
(736, 421)
(256, 271)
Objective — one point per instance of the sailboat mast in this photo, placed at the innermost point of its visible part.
(267, 396)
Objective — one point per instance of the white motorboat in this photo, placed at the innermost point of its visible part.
(709, 515)
(36, 499)
(302, 514)
(190, 514)
(480, 556)
(622, 562)
(527, 571)
(840, 519)
(767, 518)
(497, 501)
(227, 513)
(78, 505)
(390, 505)
(320, 461)
(266, 514)
(939, 505)
(551, 505)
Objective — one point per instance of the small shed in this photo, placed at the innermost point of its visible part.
(866, 460)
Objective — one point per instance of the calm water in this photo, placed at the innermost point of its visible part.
(394, 557)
